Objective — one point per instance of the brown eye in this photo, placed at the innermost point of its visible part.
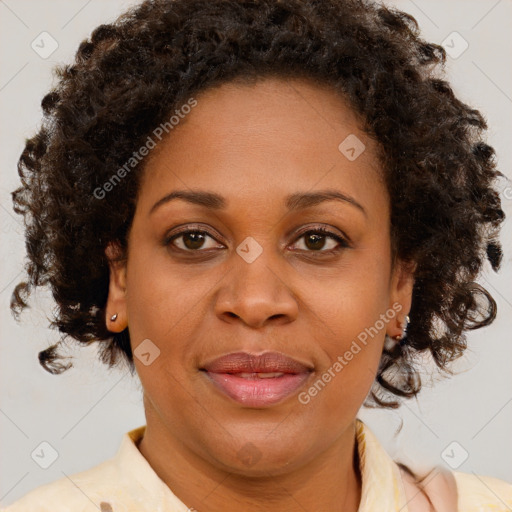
(190, 241)
(315, 241)
(193, 240)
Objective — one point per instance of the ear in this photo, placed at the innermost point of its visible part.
(116, 301)
(402, 283)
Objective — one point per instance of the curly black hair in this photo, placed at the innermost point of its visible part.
(130, 75)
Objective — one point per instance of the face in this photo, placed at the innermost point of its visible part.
(251, 272)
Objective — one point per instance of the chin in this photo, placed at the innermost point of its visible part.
(258, 459)
(263, 468)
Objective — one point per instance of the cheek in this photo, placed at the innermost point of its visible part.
(352, 349)
(171, 307)
(162, 298)
(351, 316)
(352, 299)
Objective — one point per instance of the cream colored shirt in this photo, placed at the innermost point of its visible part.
(127, 483)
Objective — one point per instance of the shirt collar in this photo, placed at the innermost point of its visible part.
(382, 487)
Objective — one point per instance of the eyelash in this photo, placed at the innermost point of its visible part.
(343, 243)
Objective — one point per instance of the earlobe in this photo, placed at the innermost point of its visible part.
(402, 286)
(116, 312)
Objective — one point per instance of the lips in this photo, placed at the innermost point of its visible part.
(257, 380)
(268, 362)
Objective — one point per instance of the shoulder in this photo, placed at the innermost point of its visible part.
(479, 493)
(115, 485)
(437, 491)
(88, 491)
(447, 491)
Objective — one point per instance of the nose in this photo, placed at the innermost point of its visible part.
(257, 292)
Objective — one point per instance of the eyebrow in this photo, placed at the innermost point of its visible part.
(293, 202)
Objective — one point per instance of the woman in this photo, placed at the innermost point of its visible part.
(268, 209)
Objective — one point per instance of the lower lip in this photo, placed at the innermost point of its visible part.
(258, 392)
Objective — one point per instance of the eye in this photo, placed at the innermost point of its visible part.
(190, 240)
(314, 240)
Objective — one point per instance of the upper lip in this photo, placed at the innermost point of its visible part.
(268, 362)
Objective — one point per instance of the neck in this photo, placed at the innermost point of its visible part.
(329, 480)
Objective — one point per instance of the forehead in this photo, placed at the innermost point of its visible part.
(255, 142)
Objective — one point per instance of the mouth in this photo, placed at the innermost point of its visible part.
(257, 380)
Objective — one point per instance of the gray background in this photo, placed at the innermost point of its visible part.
(84, 412)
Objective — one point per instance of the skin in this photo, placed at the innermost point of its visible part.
(254, 145)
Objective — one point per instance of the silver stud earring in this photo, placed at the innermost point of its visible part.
(113, 318)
